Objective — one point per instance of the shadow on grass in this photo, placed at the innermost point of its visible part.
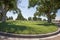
(11, 28)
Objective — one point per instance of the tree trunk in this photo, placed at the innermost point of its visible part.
(4, 11)
(49, 20)
(4, 16)
(49, 17)
(0, 16)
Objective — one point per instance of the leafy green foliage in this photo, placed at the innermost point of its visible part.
(32, 3)
(8, 5)
(29, 18)
(39, 19)
(46, 7)
(20, 17)
(35, 18)
(10, 18)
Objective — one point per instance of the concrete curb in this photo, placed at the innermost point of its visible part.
(30, 35)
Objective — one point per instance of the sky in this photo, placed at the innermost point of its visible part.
(28, 12)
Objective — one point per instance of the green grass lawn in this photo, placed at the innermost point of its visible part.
(27, 27)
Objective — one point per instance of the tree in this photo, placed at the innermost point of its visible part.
(20, 17)
(39, 19)
(10, 18)
(29, 18)
(46, 7)
(0, 16)
(7, 5)
(35, 18)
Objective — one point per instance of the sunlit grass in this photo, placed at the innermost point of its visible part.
(27, 27)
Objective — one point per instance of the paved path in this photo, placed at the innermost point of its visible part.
(56, 37)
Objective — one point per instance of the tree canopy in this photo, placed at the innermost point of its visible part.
(7, 5)
(46, 7)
